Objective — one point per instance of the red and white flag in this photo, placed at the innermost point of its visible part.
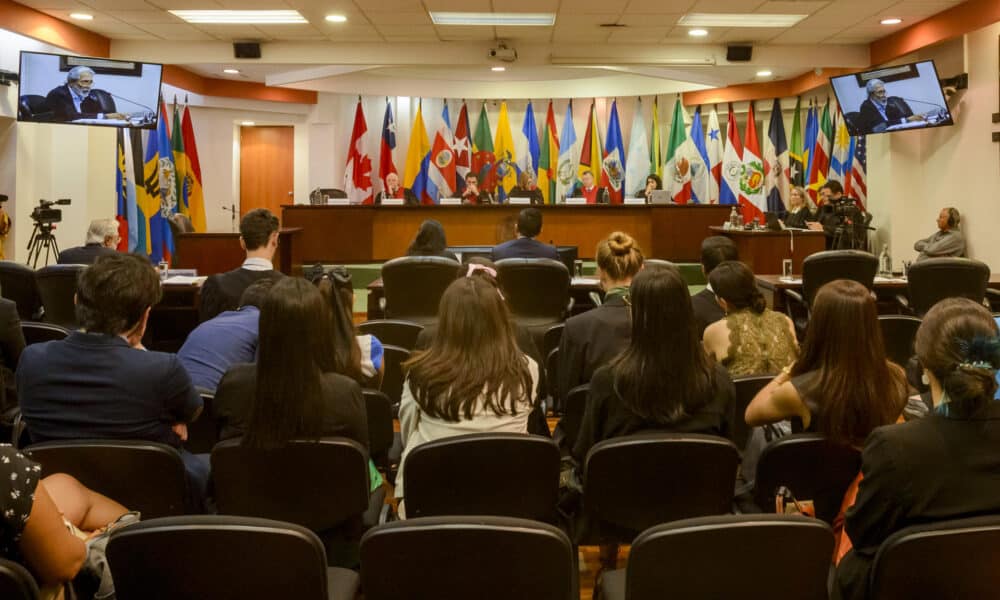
(358, 174)
(753, 202)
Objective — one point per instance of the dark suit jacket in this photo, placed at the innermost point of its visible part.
(590, 340)
(60, 101)
(409, 198)
(706, 310)
(221, 292)
(524, 247)
(11, 346)
(535, 194)
(926, 470)
(896, 111)
(84, 255)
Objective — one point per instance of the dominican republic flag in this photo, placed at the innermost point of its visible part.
(463, 149)
(732, 163)
(442, 164)
(701, 173)
(776, 161)
(358, 173)
(713, 143)
(385, 163)
(752, 199)
(613, 164)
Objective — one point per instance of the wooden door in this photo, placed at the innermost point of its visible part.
(266, 168)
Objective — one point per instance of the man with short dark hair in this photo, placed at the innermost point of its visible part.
(714, 250)
(259, 238)
(835, 209)
(102, 240)
(529, 225)
(472, 194)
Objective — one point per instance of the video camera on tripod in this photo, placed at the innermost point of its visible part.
(850, 231)
(44, 214)
(45, 218)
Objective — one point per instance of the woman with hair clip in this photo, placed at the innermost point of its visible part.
(751, 339)
(357, 356)
(663, 380)
(944, 466)
(472, 379)
(430, 241)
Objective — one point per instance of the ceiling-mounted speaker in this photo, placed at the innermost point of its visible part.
(739, 53)
(246, 49)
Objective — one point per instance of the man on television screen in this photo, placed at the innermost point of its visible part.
(881, 111)
(79, 99)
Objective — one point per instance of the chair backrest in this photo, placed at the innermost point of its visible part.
(669, 476)
(552, 337)
(16, 583)
(552, 375)
(949, 559)
(380, 433)
(898, 333)
(393, 376)
(36, 332)
(501, 474)
(34, 107)
(395, 332)
(144, 476)
(812, 467)
(219, 557)
(57, 288)
(658, 263)
(316, 484)
(823, 267)
(182, 222)
(934, 279)
(761, 556)
(456, 558)
(535, 287)
(573, 406)
(414, 285)
(203, 434)
(17, 283)
(746, 388)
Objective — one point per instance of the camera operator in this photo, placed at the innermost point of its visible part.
(102, 239)
(839, 217)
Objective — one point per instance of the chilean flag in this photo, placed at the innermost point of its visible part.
(358, 174)
(752, 199)
(732, 163)
(463, 154)
(385, 164)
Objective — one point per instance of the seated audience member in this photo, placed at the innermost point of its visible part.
(259, 238)
(37, 512)
(472, 379)
(653, 182)
(591, 339)
(798, 215)
(224, 340)
(356, 356)
(529, 226)
(430, 241)
(527, 187)
(395, 191)
(11, 346)
(99, 382)
(714, 250)
(946, 241)
(588, 189)
(102, 239)
(752, 339)
(663, 380)
(472, 194)
(943, 466)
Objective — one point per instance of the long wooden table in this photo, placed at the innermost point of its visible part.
(764, 250)
(345, 234)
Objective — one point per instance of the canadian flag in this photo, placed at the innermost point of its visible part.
(358, 174)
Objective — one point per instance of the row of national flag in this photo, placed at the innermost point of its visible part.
(158, 174)
(698, 165)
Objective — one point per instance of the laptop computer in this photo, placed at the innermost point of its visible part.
(771, 222)
(660, 197)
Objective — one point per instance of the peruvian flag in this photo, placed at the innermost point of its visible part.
(385, 164)
(463, 154)
(358, 174)
(753, 202)
(732, 163)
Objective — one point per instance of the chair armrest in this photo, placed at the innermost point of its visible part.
(595, 298)
(569, 305)
(797, 297)
(904, 303)
(992, 299)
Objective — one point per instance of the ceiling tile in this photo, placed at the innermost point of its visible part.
(575, 20)
(840, 40)
(180, 4)
(319, 6)
(459, 5)
(537, 6)
(390, 5)
(667, 20)
(658, 6)
(595, 35)
(232, 32)
(802, 35)
(524, 33)
(638, 35)
(726, 6)
(459, 32)
(144, 16)
(406, 33)
(353, 33)
(592, 6)
(292, 32)
(752, 34)
(398, 18)
(119, 4)
(53, 4)
(804, 7)
(136, 37)
(253, 4)
(181, 32)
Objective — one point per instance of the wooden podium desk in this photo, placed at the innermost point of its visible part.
(212, 253)
(345, 234)
(763, 251)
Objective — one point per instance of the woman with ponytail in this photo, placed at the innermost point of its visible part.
(752, 339)
(944, 466)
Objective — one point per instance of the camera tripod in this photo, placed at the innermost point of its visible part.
(41, 237)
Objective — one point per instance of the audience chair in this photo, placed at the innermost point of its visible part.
(823, 267)
(144, 476)
(552, 337)
(223, 558)
(933, 279)
(573, 407)
(34, 107)
(552, 379)
(36, 332)
(413, 286)
(501, 474)
(393, 376)
(394, 332)
(17, 283)
(898, 333)
(380, 429)
(746, 388)
(751, 557)
(16, 583)
(57, 288)
(948, 559)
(458, 558)
(537, 292)
(658, 263)
(811, 467)
(203, 433)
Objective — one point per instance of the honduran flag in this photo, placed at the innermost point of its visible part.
(732, 163)
(385, 162)
(703, 186)
(752, 199)
(529, 149)
(776, 161)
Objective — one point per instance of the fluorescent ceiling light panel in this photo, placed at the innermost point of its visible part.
(494, 19)
(241, 17)
(738, 20)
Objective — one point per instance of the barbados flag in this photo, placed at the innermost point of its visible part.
(160, 198)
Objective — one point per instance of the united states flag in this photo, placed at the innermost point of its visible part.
(857, 183)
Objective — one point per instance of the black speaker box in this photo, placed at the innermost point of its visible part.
(246, 49)
(739, 53)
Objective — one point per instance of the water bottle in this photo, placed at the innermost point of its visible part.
(885, 261)
(734, 218)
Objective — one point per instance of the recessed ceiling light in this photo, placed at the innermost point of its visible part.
(336, 18)
(764, 73)
(498, 69)
(81, 16)
(493, 19)
(251, 17)
(891, 21)
(739, 20)
(698, 32)
(247, 123)
(231, 71)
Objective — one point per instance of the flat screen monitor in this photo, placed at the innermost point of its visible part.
(895, 98)
(56, 88)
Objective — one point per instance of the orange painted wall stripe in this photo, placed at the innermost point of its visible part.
(247, 90)
(764, 90)
(957, 20)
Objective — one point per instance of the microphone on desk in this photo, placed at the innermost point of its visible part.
(139, 104)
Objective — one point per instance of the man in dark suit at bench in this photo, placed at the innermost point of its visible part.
(529, 225)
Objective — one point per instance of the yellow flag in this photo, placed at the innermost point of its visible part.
(419, 147)
(506, 161)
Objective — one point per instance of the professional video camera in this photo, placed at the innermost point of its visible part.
(850, 231)
(44, 214)
(45, 218)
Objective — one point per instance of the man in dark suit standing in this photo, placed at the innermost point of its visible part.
(102, 239)
(529, 225)
(259, 238)
(78, 99)
(714, 250)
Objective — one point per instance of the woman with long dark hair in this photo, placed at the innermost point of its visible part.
(342, 353)
(430, 241)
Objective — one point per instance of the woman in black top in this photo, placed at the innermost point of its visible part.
(527, 187)
(430, 241)
(653, 182)
(798, 214)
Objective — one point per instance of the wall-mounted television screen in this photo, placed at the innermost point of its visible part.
(55, 88)
(892, 99)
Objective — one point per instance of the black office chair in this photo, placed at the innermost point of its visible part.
(393, 375)
(948, 559)
(501, 474)
(753, 557)
(36, 332)
(898, 333)
(380, 429)
(811, 467)
(746, 388)
(823, 267)
(934, 279)
(573, 407)
(144, 476)
(34, 107)
(552, 379)
(16, 583)
(456, 558)
(395, 332)
(552, 337)
(203, 433)
(17, 283)
(537, 292)
(57, 288)
(658, 263)
(413, 286)
(223, 558)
